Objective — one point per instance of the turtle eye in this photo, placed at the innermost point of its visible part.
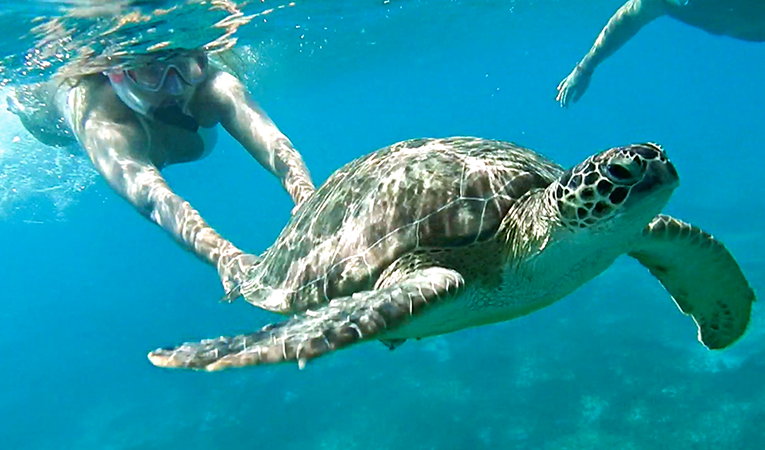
(623, 170)
(618, 172)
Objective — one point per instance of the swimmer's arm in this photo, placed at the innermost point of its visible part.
(622, 26)
(241, 116)
(113, 148)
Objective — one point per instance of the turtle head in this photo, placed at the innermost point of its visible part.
(615, 188)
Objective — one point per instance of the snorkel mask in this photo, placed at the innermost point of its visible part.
(147, 86)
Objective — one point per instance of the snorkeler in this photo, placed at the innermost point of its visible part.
(740, 19)
(133, 122)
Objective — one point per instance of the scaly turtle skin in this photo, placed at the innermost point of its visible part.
(431, 236)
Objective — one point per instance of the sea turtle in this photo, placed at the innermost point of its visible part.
(431, 236)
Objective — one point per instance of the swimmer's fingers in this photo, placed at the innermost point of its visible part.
(572, 87)
(233, 292)
(559, 96)
(233, 273)
(564, 90)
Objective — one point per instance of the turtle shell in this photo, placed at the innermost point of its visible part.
(416, 194)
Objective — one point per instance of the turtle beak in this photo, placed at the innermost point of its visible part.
(662, 175)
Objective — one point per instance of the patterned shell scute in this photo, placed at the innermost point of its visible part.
(424, 193)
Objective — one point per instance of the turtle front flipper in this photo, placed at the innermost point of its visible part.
(701, 276)
(342, 322)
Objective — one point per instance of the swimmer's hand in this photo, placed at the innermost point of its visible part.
(233, 272)
(573, 86)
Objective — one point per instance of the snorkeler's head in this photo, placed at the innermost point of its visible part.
(155, 79)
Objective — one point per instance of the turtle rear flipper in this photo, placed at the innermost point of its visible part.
(342, 322)
(701, 276)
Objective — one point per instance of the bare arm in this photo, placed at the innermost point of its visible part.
(241, 116)
(622, 26)
(119, 147)
(627, 21)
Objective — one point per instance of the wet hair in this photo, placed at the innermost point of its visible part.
(234, 60)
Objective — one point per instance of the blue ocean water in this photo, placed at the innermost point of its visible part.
(89, 286)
